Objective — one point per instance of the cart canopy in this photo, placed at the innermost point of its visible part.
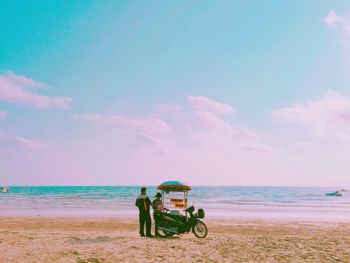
(174, 186)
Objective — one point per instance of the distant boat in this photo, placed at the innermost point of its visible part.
(4, 189)
(336, 193)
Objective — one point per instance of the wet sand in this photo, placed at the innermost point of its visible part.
(36, 239)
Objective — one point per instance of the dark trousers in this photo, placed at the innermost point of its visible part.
(145, 218)
(156, 221)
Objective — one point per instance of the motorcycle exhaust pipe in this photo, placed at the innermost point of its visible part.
(171, 230)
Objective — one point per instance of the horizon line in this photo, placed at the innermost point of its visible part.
(336, 186)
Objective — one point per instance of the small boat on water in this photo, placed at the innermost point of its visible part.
(336, 193)
(4, 189)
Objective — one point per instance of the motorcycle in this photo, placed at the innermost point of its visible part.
(172, 223)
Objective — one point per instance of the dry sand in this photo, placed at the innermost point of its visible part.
(35, 239)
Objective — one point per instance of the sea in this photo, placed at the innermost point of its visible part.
(236, 202)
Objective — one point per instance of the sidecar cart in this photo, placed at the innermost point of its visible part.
(177, 193)
(182, 220)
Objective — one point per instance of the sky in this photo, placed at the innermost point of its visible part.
(205, 92)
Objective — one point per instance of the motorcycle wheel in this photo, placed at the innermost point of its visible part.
(199, 229)
(164, 233)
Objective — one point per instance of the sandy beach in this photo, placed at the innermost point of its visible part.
(36, 239)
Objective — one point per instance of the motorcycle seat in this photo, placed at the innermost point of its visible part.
(175, 216)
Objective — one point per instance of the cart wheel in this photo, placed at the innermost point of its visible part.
(199, 229)
(164, 233)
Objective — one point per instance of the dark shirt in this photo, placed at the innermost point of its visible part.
(143, 203)
(156, 203)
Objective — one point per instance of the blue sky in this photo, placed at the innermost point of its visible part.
(126, 58)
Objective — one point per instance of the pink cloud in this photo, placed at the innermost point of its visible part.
(176, 110)
(247, 134)
(206, 104)
(210, 121)
(28, 143)
(335, 21)
(328, 115)
(3, 114)
(203, 147)
(213, 130)
(154, 125)
(13, 89)
(23, 80)
(159, 146)
(150, 139)
(332, 18)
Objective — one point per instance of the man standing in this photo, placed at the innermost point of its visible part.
(143, 203)
(157, 208)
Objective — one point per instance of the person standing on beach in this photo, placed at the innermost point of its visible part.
(143, 203)
(157, 208)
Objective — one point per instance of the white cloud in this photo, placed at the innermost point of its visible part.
(23, 80)
(337, 22)
(173, 109)
(159, 146)
(3, 114)
(203, 147)
(330, 115)
(206, 104)
(154, 125)
(209, 125)
(14, 89)
(210, 121)
(29, 143)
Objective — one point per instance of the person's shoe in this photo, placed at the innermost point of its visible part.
(142, 234)
(149, 235)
